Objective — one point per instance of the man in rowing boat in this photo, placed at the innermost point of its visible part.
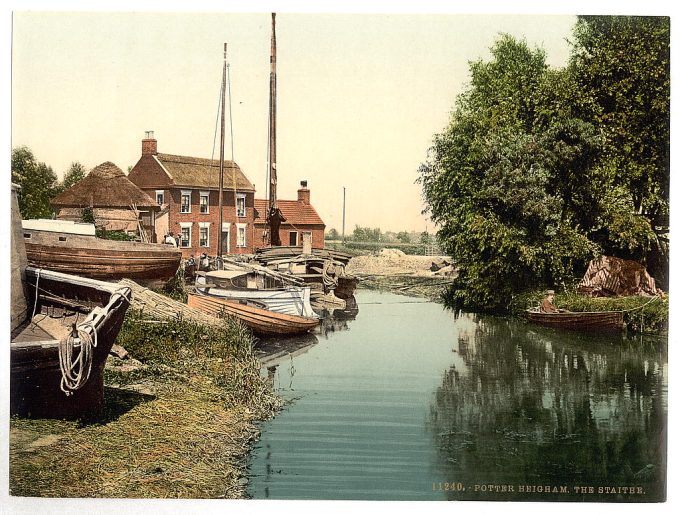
(548, 304)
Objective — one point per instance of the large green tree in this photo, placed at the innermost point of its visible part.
(38, 184)
(540, 169)
(491, 179)
(621, 66)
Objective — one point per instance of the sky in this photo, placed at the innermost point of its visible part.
(360, 96)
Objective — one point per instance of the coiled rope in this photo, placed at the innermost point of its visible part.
(75, 357)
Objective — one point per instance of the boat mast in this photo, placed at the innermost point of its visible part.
(220, 199)
(274, 216)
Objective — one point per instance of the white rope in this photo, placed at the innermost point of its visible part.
(75, 357)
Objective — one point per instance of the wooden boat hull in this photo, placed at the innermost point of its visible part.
(292, 300)
(592, 321)
(260, 321)
(35, 374)
(101, 259)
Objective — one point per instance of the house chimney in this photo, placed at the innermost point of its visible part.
(149, 144)
(303, 193)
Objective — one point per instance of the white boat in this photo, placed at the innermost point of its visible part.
(248, 284)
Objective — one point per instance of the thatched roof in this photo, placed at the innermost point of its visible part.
(105, 186)
(197, 172)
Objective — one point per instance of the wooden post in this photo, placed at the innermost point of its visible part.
(220, 195)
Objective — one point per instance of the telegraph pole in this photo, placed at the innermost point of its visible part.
(343, 214)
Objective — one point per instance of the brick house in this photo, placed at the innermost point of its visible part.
(187, 189)
(301, 220)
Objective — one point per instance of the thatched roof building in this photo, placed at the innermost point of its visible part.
(117, 203)
(106, 186)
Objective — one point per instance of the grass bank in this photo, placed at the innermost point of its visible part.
(641, 314)
(179, 421)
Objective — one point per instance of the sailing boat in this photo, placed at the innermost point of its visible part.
(326, 274)
(265, 301)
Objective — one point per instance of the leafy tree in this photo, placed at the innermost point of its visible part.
(404, 237)
(74, 174)
(621, 66)
(332, 235)
(541, 169)
(38, 184)
(493, 179)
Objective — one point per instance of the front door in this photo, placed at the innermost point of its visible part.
(225, 239)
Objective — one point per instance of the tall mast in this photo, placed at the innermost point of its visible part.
(272, 119)
(219, 202)
(274, 217)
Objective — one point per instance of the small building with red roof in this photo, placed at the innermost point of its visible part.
(300, 219)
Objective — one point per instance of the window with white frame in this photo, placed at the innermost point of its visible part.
(240, 205)
(203, 203)
(204, 234)
(185, 234)
(241, 235)
(160, 197)
(185, 202)
(293, 238)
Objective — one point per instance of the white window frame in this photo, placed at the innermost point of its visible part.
(206, 226)
(185, 225)
(184, 193)
(202, 194)
(241, 196)
(297, 238)
(161, 194)
(302, 237)
(244, 243)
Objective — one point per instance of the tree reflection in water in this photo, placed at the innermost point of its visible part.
(540, 407)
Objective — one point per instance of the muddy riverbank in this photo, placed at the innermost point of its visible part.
(393, 271)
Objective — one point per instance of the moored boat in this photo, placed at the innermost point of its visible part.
(591, 321)
(57, 355)
(247, 284)
(254, 315)
(96, 258)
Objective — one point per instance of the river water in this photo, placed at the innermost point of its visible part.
(402, 400)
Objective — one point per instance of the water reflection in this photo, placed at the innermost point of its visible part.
(275, 351)
(333, 320)
(527, 406)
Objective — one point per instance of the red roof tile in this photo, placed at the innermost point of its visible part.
(295, 212)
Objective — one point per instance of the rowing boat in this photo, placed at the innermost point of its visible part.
(261, 321)
(592, 321)
(248, 284)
